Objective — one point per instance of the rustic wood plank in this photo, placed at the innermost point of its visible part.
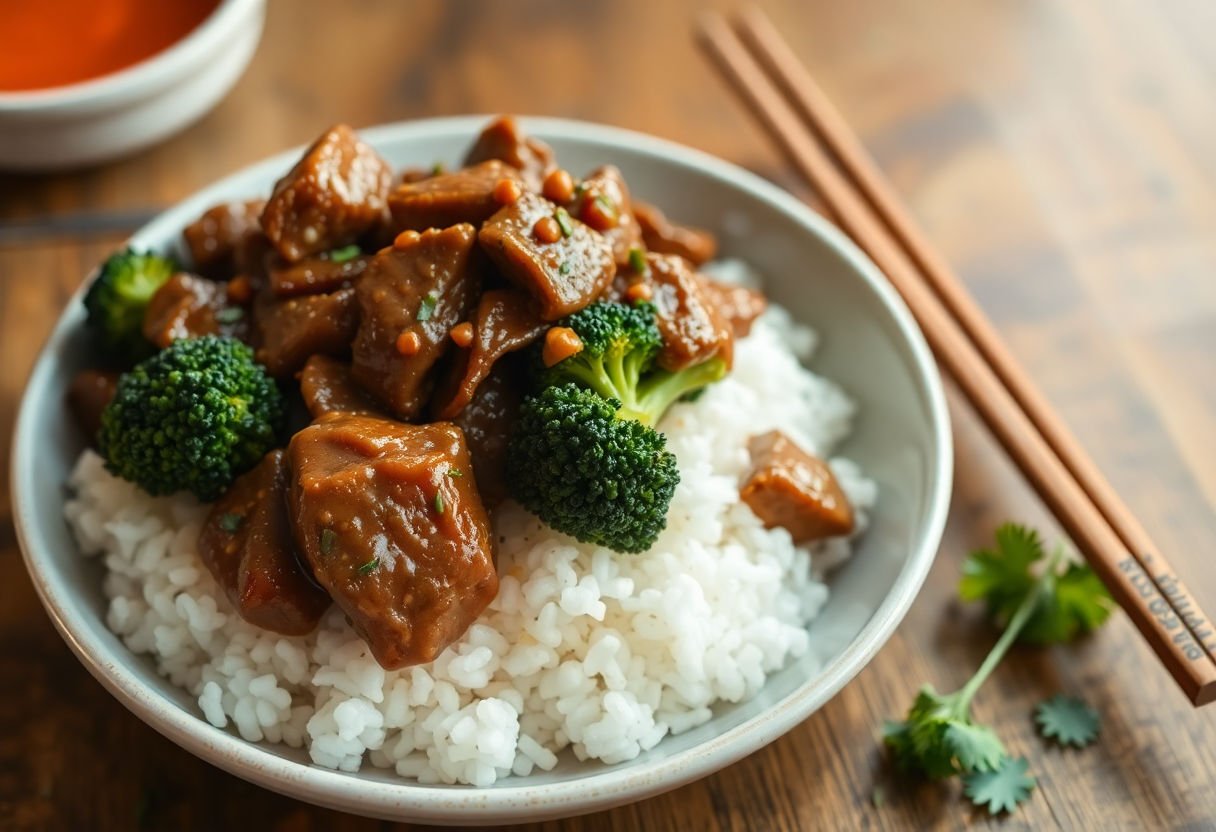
(1061, 157)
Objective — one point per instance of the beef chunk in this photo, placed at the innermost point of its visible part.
(247, 544)
(409, 298)
(449, 198)
(327, 386)
(390, 521)
(503, 140)
(487, 422)
(739, 306)
(604, 204)
(314, 275)
(506, 321)
(335, 194)
(665, 237)
(792, 489)
(563, 276)
(187, 307)
(292, 329)
(227, 238)
(88, 395)
(693, 331)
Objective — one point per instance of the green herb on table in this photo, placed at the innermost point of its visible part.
(1072, 599)
(1067, 720)
(1002, 789)
(1036, 597)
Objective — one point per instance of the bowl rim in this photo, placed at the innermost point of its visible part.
(141, 77)
(511, 802)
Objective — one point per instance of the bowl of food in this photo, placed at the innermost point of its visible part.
(86, 82)
(434, 473)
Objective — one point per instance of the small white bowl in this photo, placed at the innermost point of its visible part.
(869, 345)
(117, 114)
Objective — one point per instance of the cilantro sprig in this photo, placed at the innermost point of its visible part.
(1036, 597)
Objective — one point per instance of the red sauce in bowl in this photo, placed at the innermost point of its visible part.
(52, 43)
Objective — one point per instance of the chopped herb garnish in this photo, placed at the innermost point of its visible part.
(439, 504)
(606, 205)
(455, 473)
(231, 522)
(1067, 720)
(563, 221)
(427, 307)
(230, 314)
(369, 567)
(438, 168)
(580, 189)
(341, 255)
(329, 539)
(565, 267)
(637, 260)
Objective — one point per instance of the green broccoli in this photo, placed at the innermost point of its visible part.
(119, 296)
(586, 470)
(619, 346)
(192, 417)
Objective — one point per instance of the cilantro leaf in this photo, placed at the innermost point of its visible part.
(938, 739)
(1067, 720)
(1002, 789)
(1072, 600)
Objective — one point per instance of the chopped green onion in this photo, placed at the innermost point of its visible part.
(565, 267)
(437, 168)
(580, 189)
(439, 505)
(427, 307)
(369, 567)
(341, 255)
(563, 221)
(329, 539)
(455, 473)
(230, 314)
(606, 205)
(231, 522)
(637, 260)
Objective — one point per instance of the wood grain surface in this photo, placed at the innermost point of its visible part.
(1062, 157)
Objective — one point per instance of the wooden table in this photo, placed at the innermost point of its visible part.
(1061, 155)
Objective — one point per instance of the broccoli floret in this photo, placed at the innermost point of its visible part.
(119, 296)
(583, 468)
(619, 346)
(191, 418)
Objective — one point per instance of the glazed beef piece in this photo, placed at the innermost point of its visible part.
(467, 195)
(314, 275)
(739, 306)
(409, 298)
(227, 238)
(693, 330)
(563, 275)
(665, 237)
(247, 544)
(604, 204)
(88, 394)
(291, 330)
(503, 140)
(187, 307)
(335, 194)
(507, 320)
(388, 517)
(790, 488)
(487, 421)
(327, 386)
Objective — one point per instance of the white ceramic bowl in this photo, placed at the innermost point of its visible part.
(870, 345)
(117, 114)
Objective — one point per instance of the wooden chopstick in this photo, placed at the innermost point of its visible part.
(1133, 583)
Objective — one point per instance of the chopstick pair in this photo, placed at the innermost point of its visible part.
(767, 75)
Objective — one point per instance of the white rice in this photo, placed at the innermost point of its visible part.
(583, 649)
